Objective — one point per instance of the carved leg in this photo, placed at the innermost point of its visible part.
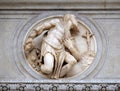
(55, 69)
(70, 60)
(59, 65)
(47, 67)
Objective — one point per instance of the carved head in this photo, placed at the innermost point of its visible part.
(70, 24)
(68, 17)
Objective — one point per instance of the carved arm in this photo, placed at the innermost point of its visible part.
(70, 46)
(29, 45)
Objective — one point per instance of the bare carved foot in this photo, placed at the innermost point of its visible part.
(65, 69)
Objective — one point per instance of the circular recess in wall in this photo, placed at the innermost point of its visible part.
(88, 41)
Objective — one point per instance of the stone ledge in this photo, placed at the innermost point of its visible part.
(59, 87)
(60, 4)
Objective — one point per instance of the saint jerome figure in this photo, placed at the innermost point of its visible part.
(58, 52)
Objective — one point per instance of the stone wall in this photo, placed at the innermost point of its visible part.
(16, 16)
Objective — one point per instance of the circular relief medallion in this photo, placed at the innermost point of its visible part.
(60, 46)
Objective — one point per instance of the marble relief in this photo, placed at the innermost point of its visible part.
(60, 47)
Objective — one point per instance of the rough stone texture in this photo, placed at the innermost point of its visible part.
(104, 14)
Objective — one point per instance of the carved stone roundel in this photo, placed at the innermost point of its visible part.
(60, 46)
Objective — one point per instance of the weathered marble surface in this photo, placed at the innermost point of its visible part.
(104, 14)
(60, 46)
(60, 4)
(12, 22)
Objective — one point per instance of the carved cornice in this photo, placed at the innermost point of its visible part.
(59, 87)
(59, 4)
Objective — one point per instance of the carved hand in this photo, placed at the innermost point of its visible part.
(68, 43)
